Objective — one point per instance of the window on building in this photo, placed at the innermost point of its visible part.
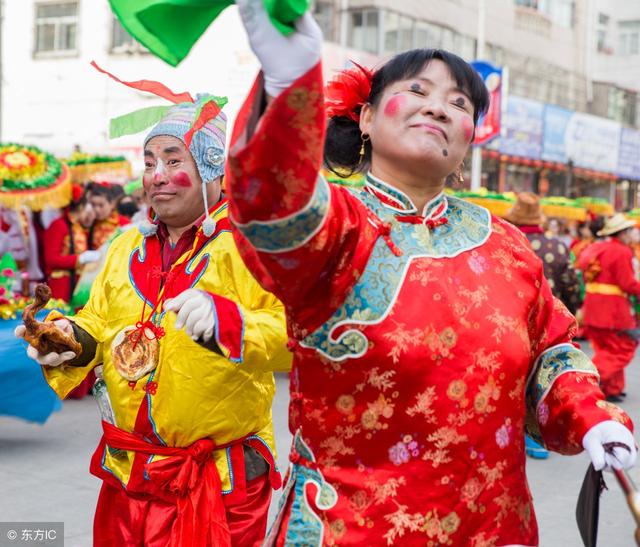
(122, 41)
(323, 12)
(629, 37)
(405, 33)
(603, 19)
(466, 47)
(533, 4)
(363, 30)
(427, 35)
(56, 27)
(391, 30)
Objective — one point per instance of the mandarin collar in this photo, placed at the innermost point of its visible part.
(401, 204)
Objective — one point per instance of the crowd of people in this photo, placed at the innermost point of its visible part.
(56, 245)
(424, 335)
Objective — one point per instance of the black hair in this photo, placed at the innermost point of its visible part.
(98, 189)
(127, 207)
(344, 140)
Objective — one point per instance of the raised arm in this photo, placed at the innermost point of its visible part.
(301, 237)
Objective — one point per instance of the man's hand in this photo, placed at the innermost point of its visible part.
(196, 313)
(606, 432)
(50, 359)
(284, 59)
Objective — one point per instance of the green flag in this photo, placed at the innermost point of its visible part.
(170, 28)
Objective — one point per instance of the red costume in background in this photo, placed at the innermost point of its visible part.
(610, 280)
(61, 255)
(102, 230)
(424, 342)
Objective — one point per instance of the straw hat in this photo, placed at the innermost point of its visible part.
(615, 224)
(526, 211)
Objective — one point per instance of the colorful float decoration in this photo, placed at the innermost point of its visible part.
(32, 178)
(86, 167)
(597, 206)
(500, 204)
(353, 181)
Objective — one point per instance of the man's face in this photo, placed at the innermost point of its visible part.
(171, 181)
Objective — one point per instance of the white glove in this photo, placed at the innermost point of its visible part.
(610, 432)
(283, 58)
(50, 359)
(196, 313)
(89, 256)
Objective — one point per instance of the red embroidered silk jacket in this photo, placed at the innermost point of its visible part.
(422, 348)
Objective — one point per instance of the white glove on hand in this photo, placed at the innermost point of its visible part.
(50, 359)
(610, 432)
(196, 313)
(88, 256)
(283, 58)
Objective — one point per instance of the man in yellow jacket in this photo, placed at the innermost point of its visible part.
(187, 340)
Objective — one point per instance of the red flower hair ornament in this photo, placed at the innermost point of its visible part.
(348, 91)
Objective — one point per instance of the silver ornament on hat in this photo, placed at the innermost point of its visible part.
(214, 157)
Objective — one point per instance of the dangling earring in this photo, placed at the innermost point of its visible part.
(460, 175)
(364, 138)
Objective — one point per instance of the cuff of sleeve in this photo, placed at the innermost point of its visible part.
(573, 406)
(229, 328)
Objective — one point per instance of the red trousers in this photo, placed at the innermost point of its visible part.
(614, 350)
(124, 521)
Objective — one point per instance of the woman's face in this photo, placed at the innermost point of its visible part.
(425, 122)
(101, 206)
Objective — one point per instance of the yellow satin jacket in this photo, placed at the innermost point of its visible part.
(194, 392)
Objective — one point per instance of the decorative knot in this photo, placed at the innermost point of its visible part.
(151, 387)
(201, 450)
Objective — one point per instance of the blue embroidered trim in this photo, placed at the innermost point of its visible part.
(231, 478)
(305, 526)
(404, 202)
(293, 231)
(104, 466)
(375, 293)
(552, 363)
(549, 366)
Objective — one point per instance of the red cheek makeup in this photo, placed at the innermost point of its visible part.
(181, 179)
(394, 105)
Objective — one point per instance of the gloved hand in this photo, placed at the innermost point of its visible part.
(50, 359)
(196, 313)
(283, 58)
(610, 431)
(89, 256)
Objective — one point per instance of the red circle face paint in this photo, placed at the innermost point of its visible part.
(467, 128)
(181, 179)
(393, 106)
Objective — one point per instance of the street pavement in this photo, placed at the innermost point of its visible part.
(44, 475)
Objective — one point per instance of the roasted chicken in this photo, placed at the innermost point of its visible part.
(46, 337)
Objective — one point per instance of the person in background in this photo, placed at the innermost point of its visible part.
(66, 249)
(103, 199)
(610, 280)
(584, 239)
(127, 207)
(527, 215)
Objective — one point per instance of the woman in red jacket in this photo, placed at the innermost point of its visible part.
(65, 249)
